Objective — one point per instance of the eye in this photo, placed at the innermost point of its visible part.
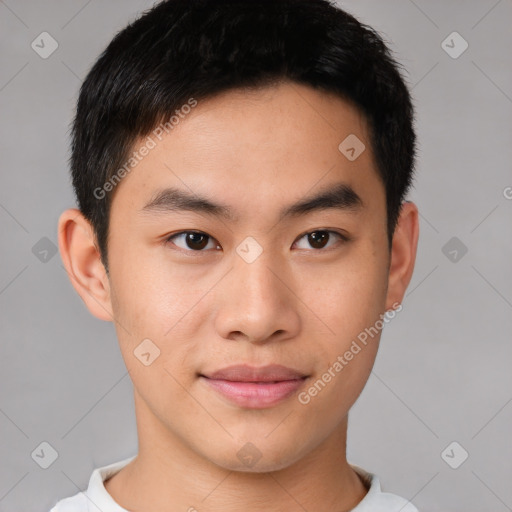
(320, 239)
(194, 241)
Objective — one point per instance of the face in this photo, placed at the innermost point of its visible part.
(238, 269)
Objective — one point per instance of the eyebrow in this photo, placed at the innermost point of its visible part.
(340, 196)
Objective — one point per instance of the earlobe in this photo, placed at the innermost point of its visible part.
(82, 263)
(403, 253)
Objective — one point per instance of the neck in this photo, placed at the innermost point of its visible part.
(168, 475)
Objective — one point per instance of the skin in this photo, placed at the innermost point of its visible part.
(295, 305)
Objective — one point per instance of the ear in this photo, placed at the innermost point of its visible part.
(403, 253)
(82, 262)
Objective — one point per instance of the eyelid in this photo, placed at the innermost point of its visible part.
(168, 239)
(344, 238)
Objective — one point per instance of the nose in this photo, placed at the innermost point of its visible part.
(258, 302)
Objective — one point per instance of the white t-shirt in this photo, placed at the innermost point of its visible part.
(97, 499)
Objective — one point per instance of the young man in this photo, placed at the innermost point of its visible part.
(240, 168)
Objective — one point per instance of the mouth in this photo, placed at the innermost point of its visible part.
(255, 387)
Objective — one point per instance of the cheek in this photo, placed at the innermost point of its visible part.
(152, 295)
(152, 319)
(345, 351)
(350, 306)
(156, 313)
(348, 298)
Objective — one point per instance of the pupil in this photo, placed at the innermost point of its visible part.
(317, 239)
(195, 240)
(316, 236)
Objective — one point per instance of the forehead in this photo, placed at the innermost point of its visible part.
(256, 149)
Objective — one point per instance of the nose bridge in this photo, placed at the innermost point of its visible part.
(259, 284)
(256, 303)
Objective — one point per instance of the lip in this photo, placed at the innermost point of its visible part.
(255, 387)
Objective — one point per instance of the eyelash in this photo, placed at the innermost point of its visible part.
(342, 238)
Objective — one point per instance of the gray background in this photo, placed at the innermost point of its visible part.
(443, 370)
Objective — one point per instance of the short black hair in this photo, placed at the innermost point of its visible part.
(183, 49)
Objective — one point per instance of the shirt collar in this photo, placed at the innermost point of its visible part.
(102, 501)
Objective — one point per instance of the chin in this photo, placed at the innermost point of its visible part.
(258, 457)
(264, 465)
